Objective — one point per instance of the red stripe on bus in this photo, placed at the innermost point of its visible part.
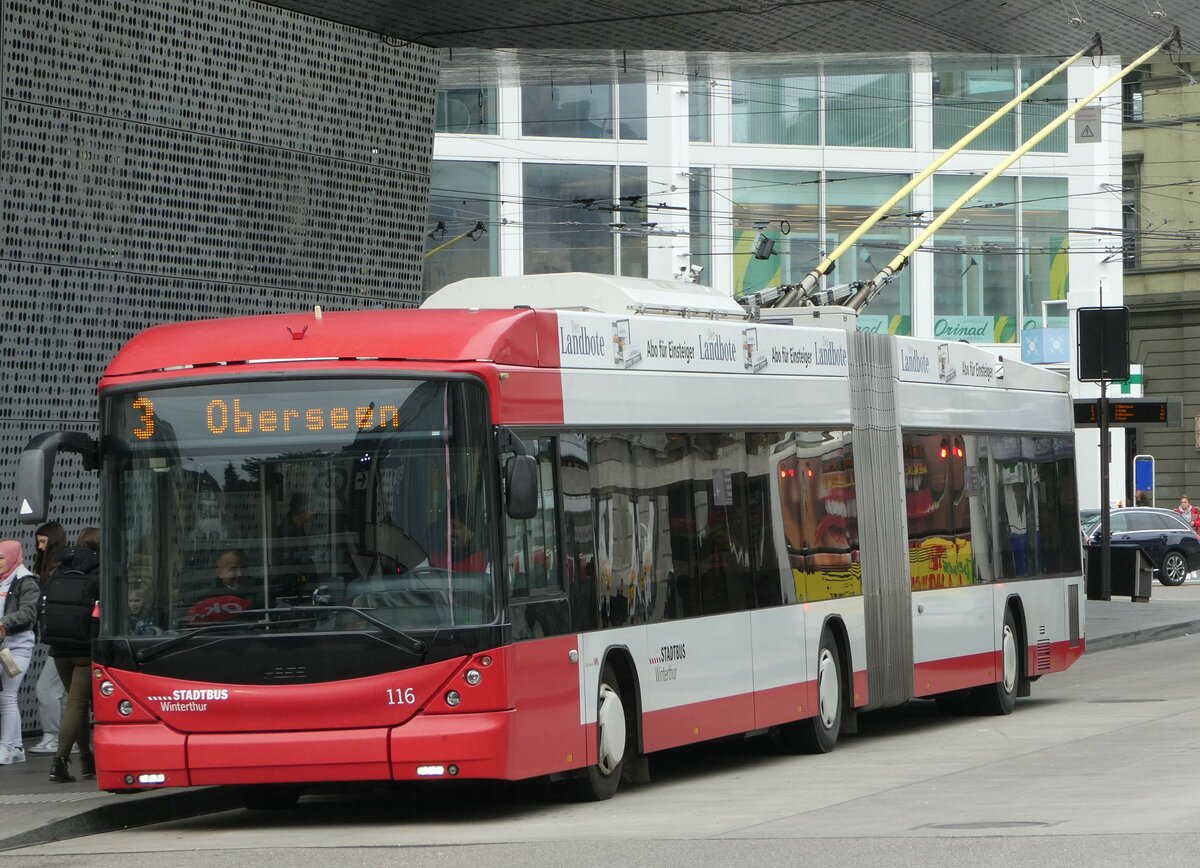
(956, 673)
(778, 705)
(862, 692)
(698, 721)
(1058, 657)
(973, 670)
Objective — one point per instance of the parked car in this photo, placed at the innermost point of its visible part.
(1166, 540)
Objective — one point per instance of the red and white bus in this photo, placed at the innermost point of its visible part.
(548, 525)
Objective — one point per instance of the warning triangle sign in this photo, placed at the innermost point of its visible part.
(1087, 133)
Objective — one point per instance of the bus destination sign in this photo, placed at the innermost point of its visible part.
(224, 417)
(1130, 412)
(328, 410)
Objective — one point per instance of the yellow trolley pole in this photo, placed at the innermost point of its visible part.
(871, 288)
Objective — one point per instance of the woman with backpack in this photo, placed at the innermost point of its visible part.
(51, 542)
(19, 594)
(72, 649)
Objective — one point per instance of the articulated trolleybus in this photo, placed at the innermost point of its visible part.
(545, 526)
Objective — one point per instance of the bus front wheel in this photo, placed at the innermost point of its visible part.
(600, 781)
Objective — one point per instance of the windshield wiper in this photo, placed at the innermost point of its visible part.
(409, 643)
(403, 640)
(158, 648)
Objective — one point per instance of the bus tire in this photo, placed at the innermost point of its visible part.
(1001, 698)
(819, 734)
(600, 781)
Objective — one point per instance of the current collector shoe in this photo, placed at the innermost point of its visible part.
(60, 772)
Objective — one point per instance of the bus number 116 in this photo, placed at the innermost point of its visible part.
(401, 697)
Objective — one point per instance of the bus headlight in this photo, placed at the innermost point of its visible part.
(106, 688)
(452, 698)
(125, 707)
(473, 677)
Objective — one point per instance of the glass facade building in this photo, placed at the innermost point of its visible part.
(647, 169)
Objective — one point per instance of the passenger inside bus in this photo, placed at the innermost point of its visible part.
(229, 597)
(459, 551)
(144, 619)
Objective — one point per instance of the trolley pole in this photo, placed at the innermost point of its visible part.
(1105, 456)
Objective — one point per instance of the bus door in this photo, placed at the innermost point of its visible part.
(544, 679)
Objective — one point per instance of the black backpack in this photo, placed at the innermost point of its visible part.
(69, 599)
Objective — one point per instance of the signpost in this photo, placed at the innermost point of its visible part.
(1143, 479)
(1103, 355)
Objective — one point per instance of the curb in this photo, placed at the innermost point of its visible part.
(1148, 634)
(129, 811)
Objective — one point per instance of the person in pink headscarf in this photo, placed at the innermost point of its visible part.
(19, 594)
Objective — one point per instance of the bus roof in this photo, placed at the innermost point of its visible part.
(583, 291)
(502, 336)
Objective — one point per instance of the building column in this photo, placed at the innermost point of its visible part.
(667, 169)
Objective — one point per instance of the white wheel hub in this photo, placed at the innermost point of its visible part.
(828, 688)
(1010, 659)
(610, 722)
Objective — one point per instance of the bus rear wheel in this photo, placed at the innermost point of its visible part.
(1001, 697)
(819, 734)
(600, 781)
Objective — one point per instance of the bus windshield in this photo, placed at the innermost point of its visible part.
(325, 505)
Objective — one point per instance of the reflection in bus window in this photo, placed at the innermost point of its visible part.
(683, 525)
(814, 472)
(938, 510)
(987, 508)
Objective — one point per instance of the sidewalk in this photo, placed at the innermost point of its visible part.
(1170, 612)
(36, 810)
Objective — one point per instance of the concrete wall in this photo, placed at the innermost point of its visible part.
(175, 160)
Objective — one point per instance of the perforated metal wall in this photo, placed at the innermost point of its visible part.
(172, 160)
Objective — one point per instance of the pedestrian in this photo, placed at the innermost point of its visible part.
(68, 625)
(51, 695)
(1190, 514)
(51, 540)
(19, 594)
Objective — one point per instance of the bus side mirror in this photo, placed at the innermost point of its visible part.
(521, 486)
(36, 468)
